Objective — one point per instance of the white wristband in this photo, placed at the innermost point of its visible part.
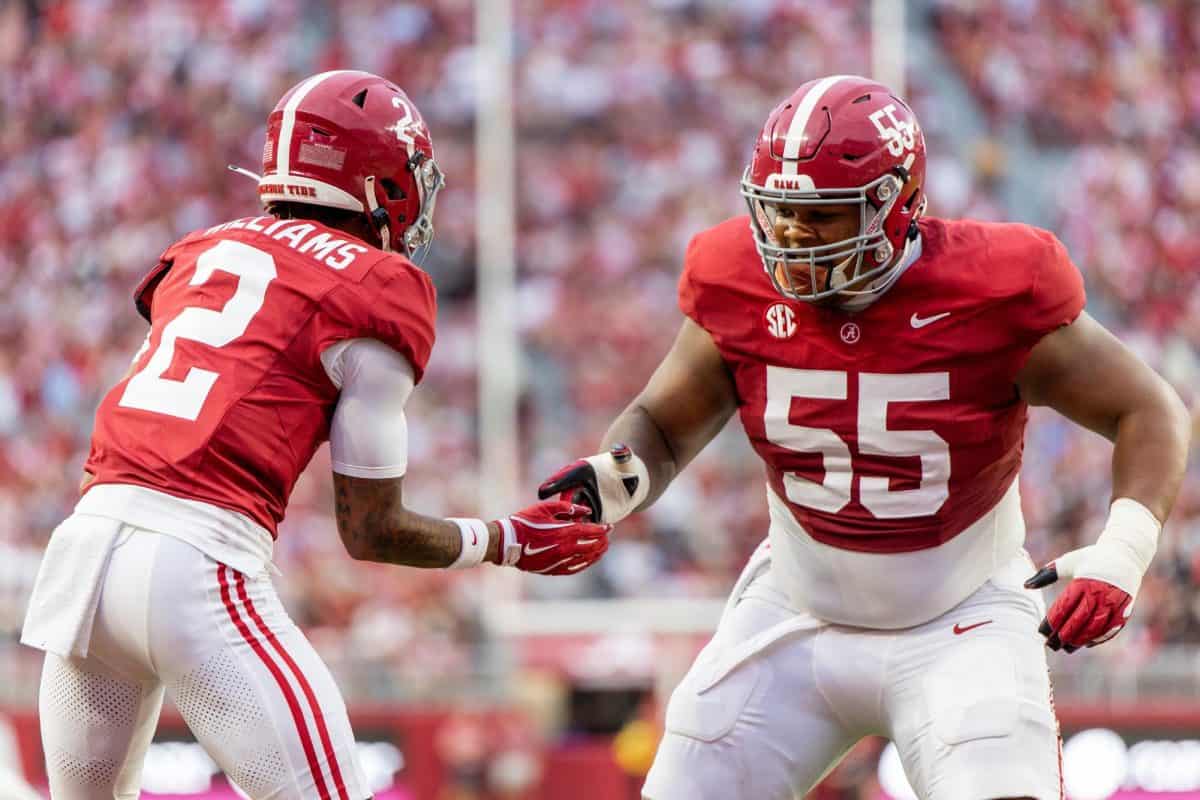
(615, 499)
(1132, 531)
(1123, 552)
(510, 548)
(475, 537)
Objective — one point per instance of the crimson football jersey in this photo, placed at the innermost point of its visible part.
(892, 429)
(228, 400)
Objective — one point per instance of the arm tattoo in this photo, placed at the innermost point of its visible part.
(375, 526)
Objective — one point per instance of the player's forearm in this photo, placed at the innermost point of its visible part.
(374, 527)
(637, 428)
(415, 540)
(686, 402)
(1150, 452)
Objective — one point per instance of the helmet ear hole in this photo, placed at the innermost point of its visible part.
(392, 189)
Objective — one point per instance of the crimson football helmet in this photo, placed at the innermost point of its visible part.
(841, 139)
(352, 140)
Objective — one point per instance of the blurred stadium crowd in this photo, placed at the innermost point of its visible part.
(118, 118)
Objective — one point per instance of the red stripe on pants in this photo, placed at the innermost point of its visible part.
(322, 730)
(1062, 785)
(288, 694)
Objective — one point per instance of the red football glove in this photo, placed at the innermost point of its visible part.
(1088, 612)
(1104, 578)
(552, 538)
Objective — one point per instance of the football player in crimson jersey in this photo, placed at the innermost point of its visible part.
(882, 364)
(268, 335)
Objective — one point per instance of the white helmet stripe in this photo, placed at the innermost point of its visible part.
(795, 134)
(283, 155)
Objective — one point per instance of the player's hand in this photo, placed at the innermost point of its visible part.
(552, 538)
(1104, 580)
(611, 484)
(1088, 612)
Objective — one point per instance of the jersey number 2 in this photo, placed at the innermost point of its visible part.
(148, 389)
(875, 391)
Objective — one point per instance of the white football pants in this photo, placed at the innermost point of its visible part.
(966, 698)
(245, 679)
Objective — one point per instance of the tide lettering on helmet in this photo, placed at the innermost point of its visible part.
(292, 189)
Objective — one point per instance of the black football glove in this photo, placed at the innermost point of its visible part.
(612, 484)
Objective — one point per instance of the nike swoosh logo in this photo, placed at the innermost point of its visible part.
(959, 630)
(919, 322)
(533, 551)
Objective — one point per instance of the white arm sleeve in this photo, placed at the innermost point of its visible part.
(369, 435)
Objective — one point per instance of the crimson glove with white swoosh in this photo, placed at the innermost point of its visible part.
(552, 538)
(1104, 579)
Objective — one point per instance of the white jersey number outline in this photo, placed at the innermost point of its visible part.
(875, 392)
(899, 135)
(403, 127)
(148, 390)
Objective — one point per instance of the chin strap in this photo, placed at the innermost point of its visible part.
(861, 298)
(243, 171)
(377, 215)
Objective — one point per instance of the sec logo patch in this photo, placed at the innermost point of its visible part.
(781, 320)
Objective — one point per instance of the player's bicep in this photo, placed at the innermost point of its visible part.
(1088, 375)
(368, 437)
(691, 395)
